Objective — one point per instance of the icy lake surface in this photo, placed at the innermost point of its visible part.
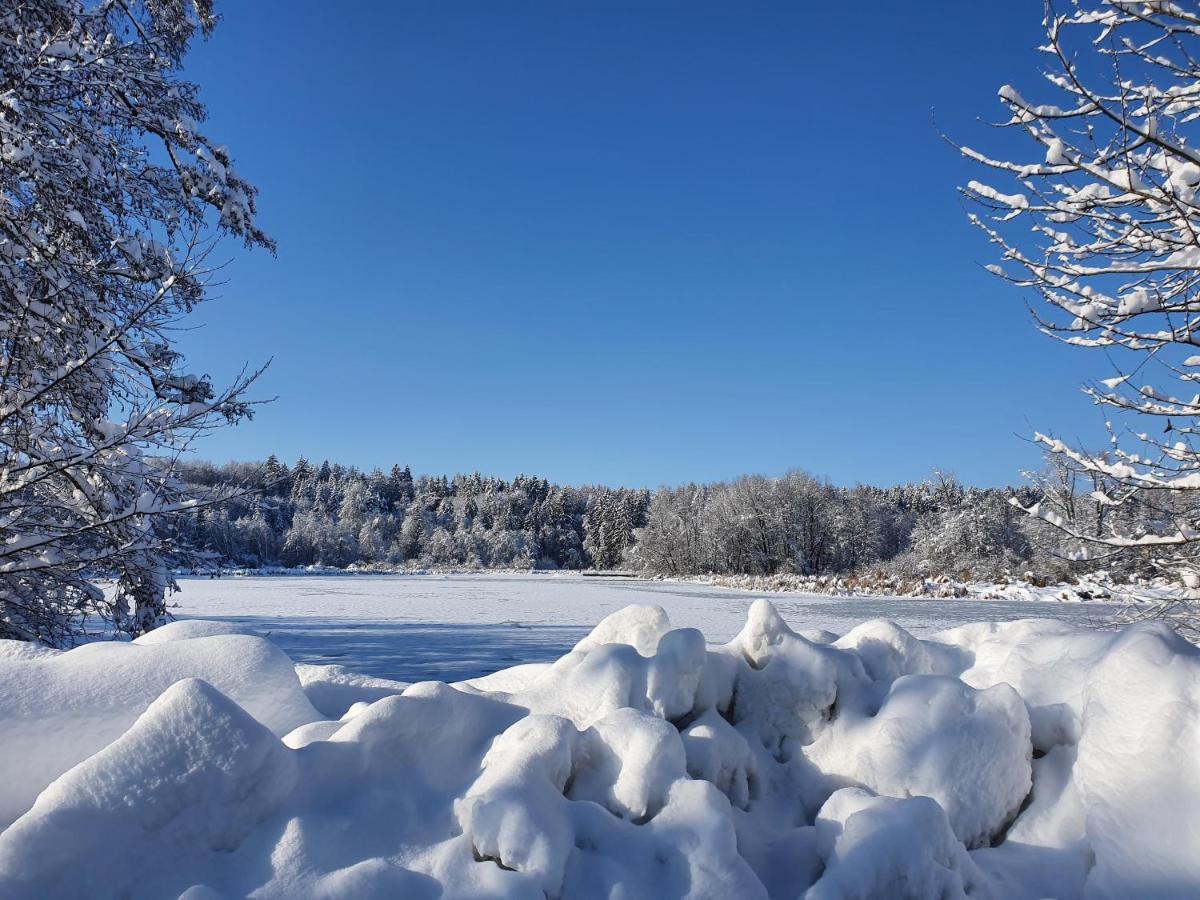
(454, 627)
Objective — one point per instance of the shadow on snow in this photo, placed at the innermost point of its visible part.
(411, 651)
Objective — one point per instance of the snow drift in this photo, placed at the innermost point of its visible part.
(1021, 760)
(58, 709)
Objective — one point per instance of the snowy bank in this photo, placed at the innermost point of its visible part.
(1023, 759)
(1097, 587)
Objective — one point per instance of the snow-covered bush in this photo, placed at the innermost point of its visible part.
(112, 201)
(980, 538)
(1021, 760)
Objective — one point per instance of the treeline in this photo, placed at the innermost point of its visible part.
(332, 515)
(940, 527)
(797, 524)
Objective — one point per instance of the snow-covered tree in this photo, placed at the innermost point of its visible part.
(412, 535)
(112, 199)
(979, 538)
(1102, 220)
(277, 477)
(609, 525)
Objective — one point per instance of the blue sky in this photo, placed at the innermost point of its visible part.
(626, 243)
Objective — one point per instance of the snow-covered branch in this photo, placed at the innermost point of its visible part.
(1102, 220)
(111, 200)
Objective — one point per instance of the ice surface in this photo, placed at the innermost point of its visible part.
(1022, 759)
(450, 628)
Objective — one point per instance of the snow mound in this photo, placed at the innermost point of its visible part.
(641, 627)
(1021, 760)
(886, 847)
(334, 689)
(510, 680)
(56, 710)
(1116, 719)
(185, 629)
(195, 773)
(888, 651)
(934, 736)
(14, 650)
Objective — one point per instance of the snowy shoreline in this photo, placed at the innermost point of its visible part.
(1083, 591)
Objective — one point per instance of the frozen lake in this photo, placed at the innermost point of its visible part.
(452, 627)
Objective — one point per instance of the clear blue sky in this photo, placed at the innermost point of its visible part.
(626, 242)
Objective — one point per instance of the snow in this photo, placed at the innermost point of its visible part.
(933, 735)
(874, 846)
(334, 689)
(193, 776)
(1118, 725)
(1005, 759)
(58, 709)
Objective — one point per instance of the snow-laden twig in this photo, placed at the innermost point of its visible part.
(1102, 221)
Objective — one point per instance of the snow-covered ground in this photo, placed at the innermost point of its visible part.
(1024, 759)
(452, 627)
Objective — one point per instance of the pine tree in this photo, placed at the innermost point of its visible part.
(277, 477)
(301, 471)
(412, 536)
(404, 482)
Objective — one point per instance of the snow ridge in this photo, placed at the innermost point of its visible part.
(1022, 759)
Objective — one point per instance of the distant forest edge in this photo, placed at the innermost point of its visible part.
(336, 516)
